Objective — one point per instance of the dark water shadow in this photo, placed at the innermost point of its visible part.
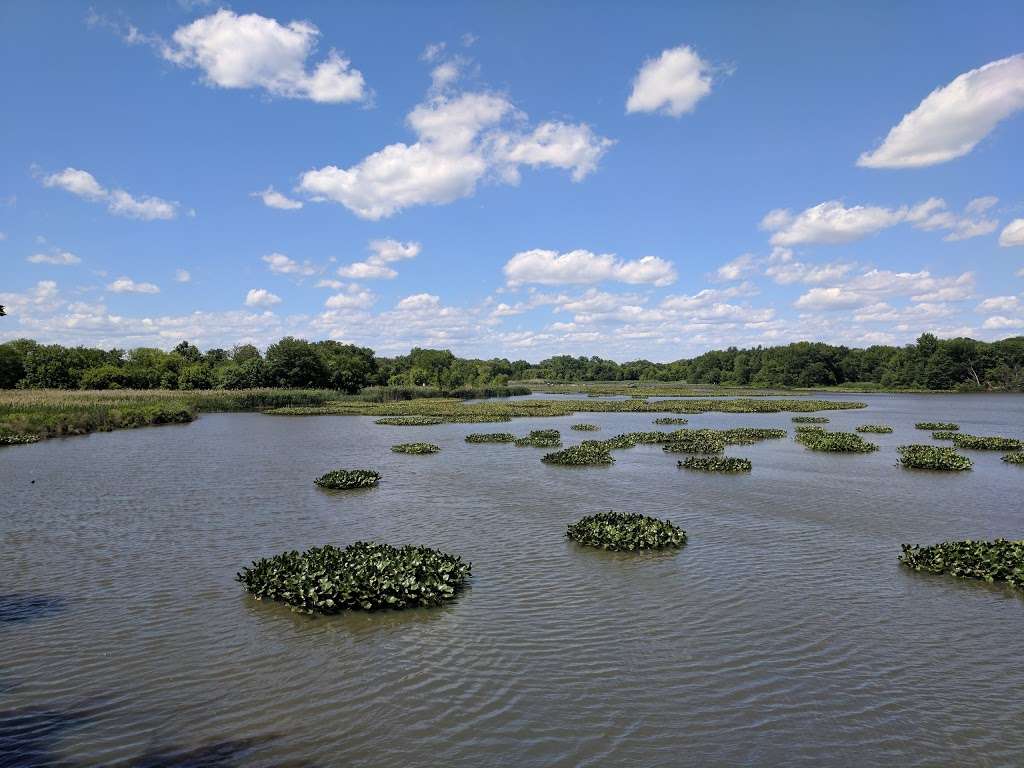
(28, 737)
(18, 607)
(230, 753)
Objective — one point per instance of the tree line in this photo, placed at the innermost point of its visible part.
(930, 363)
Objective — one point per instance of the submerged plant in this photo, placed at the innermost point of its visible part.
(991, 561)
(541, 438)
(1014, 458)
(346, 479)
(810, 419)
(415, 448)
(490, 437)
(943, 435)
(976, 443)
(670, 420)
(410, 421)
(943, 425)
(587, 453)
(878, 429)
(363, 576)
(835, 442)
(625, 531)
(716, 464)
(585, 427)
(933, 457)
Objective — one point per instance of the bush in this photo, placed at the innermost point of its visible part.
(878, 429)
(976, 443)
(588, 453)
(716, 464)
(346, 479)
(810, 420)
(490, 437)
(933, 457)
(410, 421)
(991, 561)
(585, 427)
(620, 531)
(418, 448)
(943, 425)
(670, 420)
(363, 576)
(1014, 458)
(541, 438)
(943, 435)
(835, 442)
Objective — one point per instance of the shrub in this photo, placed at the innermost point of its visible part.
(810, 420)
(620, 531)
(346, 479)
(943, 435)
(585, 427)
(976, 443)
(670, 420)
(410, 421)
(18, 439)
(991, 561)
(878, 429)
(716, 464)
(1014, 458)
(933, 457)
(835, 442)
(363, 576)
(415, 448)
(587, 453)
(943, 425)
(490, 437)
(541, 438)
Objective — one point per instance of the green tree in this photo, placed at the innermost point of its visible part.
(295, 362)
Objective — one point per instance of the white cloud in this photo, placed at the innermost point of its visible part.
(996, 304)
(582, 267)
(253, 51)
(274, 199)
(952, 119)
(57, 258)
(283, 265)
(362, 270)
(182, 276)
(738, 268)
(867, 288)
(433, 51)
(445, 74)
(1000, 322)
(44, 297)
(127, 285)
(574, 148)
(336, 285)
(261, 297)
(1012, 234)
(359, 299)
(383, 252)
(671, 84)
(120, 203)
(785, 270)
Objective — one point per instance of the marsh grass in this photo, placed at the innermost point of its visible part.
(619, 531)
(933, 457)
(991, 561)
(810, 420)
(585, 427)
(540, 438)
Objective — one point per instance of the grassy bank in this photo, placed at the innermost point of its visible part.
(682, 389)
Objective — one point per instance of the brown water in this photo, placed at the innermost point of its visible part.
(784, 633)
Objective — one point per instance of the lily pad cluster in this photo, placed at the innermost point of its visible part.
(585, 427)
(410, 421)
(946, 426)
(877, 429)
(933, 457)
(670, 420)
(729, 464)
(347, 479)
(626, 531)
(587, 453)
(835, 442)
(418, 448)
(490, 437)
(1014, 458)
(998, 560)
(363, 576)
(541, 438)
(810, 419)
(977, 443)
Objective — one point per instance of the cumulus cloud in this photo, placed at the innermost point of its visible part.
(127, 285)
(274, 199)
(952, 119)
(383, 252)
(353, 299)
(671, 84)
(120, 203)
(867, 288)
(253, 51)
(546, 267)
(261, 297)
(1012, 234)
(996, 304)
(738, 268)
(283, 265)
(57, 258)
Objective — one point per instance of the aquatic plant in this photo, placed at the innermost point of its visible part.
(1014, 458)
(632, 439)
(18, 439)
(943, 435)
(410, 421)
(943, 425)
(490, 437)
(346, 479)
(977, 443)
(990, 561)
(716, 464)
(670, 420)
(933, 457)
(749, 435)
(363, 576)
(418, 448)
(802, 428)
(810, 420)
(878, 429)
(541, 438)
(835, 442)
(585, 427)
(625, 531)
(587, 453)
(695, 441)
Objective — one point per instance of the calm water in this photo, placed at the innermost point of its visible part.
(784, 633)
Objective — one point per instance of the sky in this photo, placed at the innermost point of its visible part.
(641, 180)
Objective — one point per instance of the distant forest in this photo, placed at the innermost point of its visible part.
(931, 363)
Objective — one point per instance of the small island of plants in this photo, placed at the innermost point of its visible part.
(490, 437)
(998, 560)
(587, 453)
(877, 429)
(347, 479)
(15, 439)
(946, 426)
(410, 421)
(729, 464)
(978, 443)
(810, 419)
(933, 457)
(417, 448)
(626, 531)
(670, 420)
(943, 435)
(834, 442)
(363, 576)
(585, 427)
(541, 438)
(1014, 458)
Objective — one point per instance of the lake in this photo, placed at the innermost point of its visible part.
(784, 633)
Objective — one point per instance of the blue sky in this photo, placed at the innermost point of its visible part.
(511, 179)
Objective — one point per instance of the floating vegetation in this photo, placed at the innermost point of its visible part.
(749, 435)
(632, 439)
(671, 420)
(877, 429)
(716, 464)
(1014, 458)
(943, 435)
(364, 576)
(587, 453)
(990, 561)
(622, 531)
(346, 479)
(585, 427)
(835, 442)
(541, 438)
(18, 439)
(976, 443)
(418, 448)
(804, 428)
(933, 457)
(696, 441)
(490, 437)
(410, 421)
(810, 420)
(943, 425)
